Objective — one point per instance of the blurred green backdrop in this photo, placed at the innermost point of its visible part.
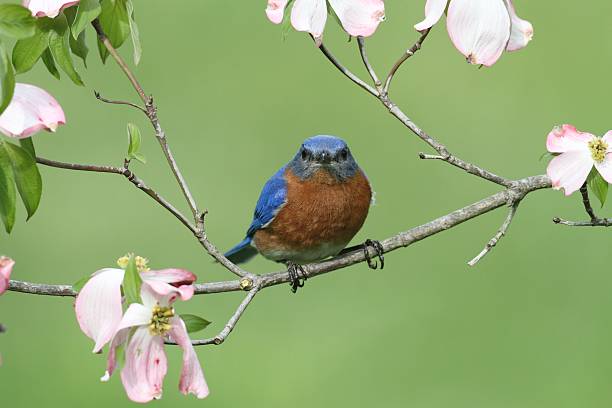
(530, 326)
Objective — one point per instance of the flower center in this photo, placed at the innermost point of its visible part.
(599, 148)
(142, 264)
(160, 320)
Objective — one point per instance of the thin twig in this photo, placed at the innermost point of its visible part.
(598, 222)
(113, 102)
(587, 202)
(409, 53)
(499, 235)
(366, 62)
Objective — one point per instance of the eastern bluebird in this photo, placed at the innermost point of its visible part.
(310, 209)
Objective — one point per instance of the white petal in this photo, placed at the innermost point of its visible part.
(570, 170)
(359, 17)
(276, 10)
(135, 315)
(433, 11)
(309, 16)
(521, 32)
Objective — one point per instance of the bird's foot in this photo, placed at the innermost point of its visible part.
(297, 276)
(379, 253)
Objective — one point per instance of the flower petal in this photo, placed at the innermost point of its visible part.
(605, 167)
(98, 306)
(192, 378)
(567, 137)
(6, 267)
(521, 30)
(570, 170)
(120, 338)
(171, 282)
(359, 17)
(276, 10)
(135, 315)
(433, 11)
(47, 8)
(32, 109)
(480, 29)
(145, 366)
(310, 16)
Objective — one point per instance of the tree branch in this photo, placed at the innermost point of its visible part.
(598, 222)
(409, 53)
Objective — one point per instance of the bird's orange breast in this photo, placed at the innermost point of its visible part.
(320, 217)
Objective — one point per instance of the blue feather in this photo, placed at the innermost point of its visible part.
(272, 198)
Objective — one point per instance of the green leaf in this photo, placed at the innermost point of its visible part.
(134, 33)
(29, 50)
(102, 51)
(7, 80)
(79, 47)
(132, 282)
(78, 285)
(8, 195)
(16, 21)
(50, 63)
(87, 11)
(134, 143)
(27, 177)
(194, 323)
(598, 186)
(28, 146)
(115, 21)
(59, 46)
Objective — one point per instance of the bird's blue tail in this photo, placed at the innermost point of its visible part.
(241, 252)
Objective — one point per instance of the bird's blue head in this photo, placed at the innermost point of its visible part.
(324, 152)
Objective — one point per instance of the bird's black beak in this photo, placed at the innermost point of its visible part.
(324, 158)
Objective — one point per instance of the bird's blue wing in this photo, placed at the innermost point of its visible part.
(272, 198)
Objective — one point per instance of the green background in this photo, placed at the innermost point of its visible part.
(530, 326)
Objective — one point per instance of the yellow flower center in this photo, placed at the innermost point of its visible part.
(599, 148)
(142, 264)
(160, 320)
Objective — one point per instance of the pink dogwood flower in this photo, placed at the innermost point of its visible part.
(47, 8)
(32, 109)
(99, 313)
(480, 29)
(6, 267)
(579, 152)
(358, 17)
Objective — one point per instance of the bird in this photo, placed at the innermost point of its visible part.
(310, 209)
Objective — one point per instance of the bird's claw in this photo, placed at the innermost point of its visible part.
(297, 276)
(379, 253)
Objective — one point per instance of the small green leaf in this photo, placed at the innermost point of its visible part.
(27, 177)
(29, 50)
(115, 21)
(8, 195)
(87, 11)
(547, 155)
(16, 21)
(102, 51)
(139, 157)
(7, 80)
(28, 146)
(78, 285)
(79, 47)
(598, 186)
(59, 46)
(132, 282)
(194, 323)
(50, 63)
(134, 143)
(134, 33)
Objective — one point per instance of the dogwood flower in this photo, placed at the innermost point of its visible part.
(47, 8)
(480, 29)
(580, 151)
(6, 267)
(32, 109)
(145, 359)
(100, 315)
(358, 17)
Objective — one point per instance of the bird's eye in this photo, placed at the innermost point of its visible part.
(305, 154)
(343, 155)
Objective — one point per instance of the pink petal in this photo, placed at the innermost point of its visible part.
(192, 378)
(521, 31)
(480, 29)
(135, 315)
(605, 168)
(170, 282)
(120, 338)
(310, 16)
(567, 137)
(98, 306)
(433, 11)
(359, 17)
(145, 366)
(276, 10)
(47, 8)
(6, 267)
(570, 170)
(32, 109)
